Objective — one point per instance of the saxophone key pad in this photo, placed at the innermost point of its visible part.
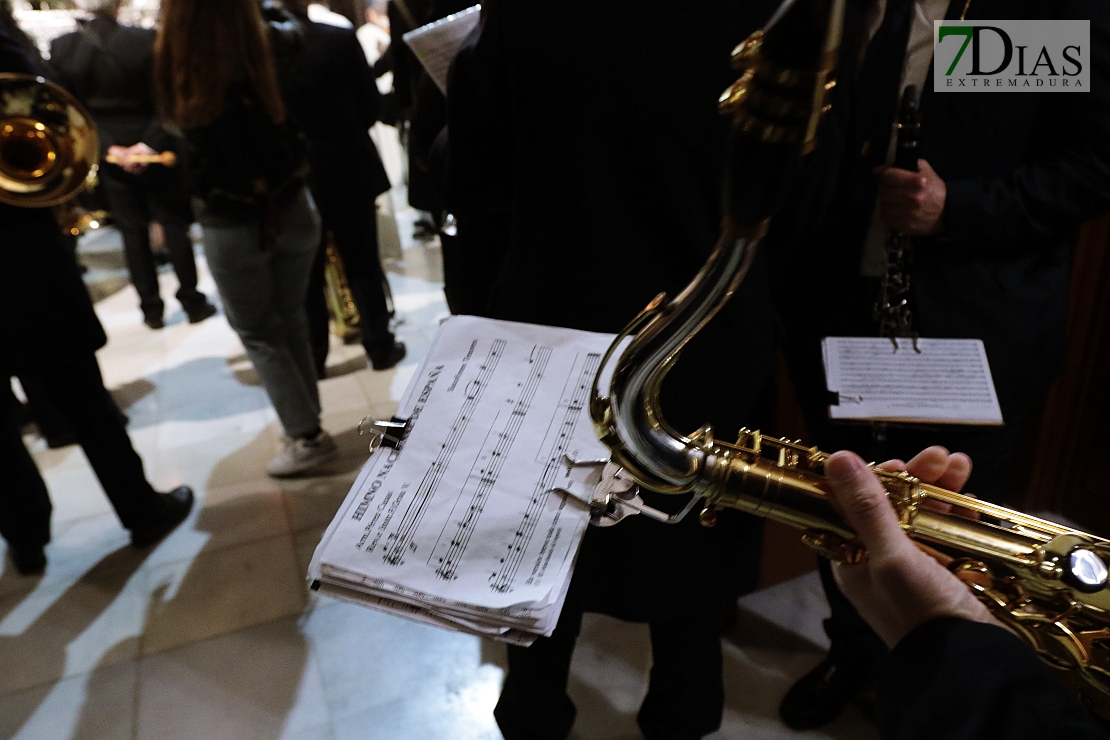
(1086, 571)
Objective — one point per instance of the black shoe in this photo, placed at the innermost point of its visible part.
(201, 313)
(154, 321)
(178, 503)
(386, 358)
(29, 561)
(821, 695)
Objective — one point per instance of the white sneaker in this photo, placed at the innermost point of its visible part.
(301, 455)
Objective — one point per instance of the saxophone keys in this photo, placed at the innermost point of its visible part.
(708, 516)
(732, 98)
(1085, 571)
(746, 54)
(834, 547)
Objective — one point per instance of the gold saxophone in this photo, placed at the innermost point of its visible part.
(345, 321)
(1047, 582)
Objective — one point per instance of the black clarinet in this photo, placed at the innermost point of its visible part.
(909, 130)
(892, 311)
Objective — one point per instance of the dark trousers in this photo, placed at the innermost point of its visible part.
(45, 413)
(351, 219)
(75, 386)
(135, 202)
(685, 698)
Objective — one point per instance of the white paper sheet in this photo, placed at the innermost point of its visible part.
(460, 525)
(947, 382)
(435, 44)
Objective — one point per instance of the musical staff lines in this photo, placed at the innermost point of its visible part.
(487, 470)
(398, 541)
(503, 578)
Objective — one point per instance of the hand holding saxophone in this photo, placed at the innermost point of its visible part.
(899, 586)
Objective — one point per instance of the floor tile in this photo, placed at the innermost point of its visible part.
(372, 662)
(76, 546)
(311, 503)
(67, 627)
(224, 518)
(797, 606)
(74, 490)
(99, 705)
(304, 545)
(255, 684)
(221, 591)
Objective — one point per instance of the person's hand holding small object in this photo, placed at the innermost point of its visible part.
(912, 202)
(899, 586)
(118, 155)
(133, 167)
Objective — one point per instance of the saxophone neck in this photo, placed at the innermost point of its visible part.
(774, 107)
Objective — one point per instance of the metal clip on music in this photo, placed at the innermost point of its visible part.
(617, 497)
(382, 433)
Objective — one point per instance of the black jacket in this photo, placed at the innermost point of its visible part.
(331, 93)
(1022, 171)
(45, 310)
(586, 158)
(109, 68)
(951, 679)
(243, 166)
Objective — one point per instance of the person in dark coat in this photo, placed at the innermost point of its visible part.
(1004, 180)
(954, 671)
(427, 117)
(405, 16)
(48, 328)
(108, 67)
(586, 155)
(332, 95)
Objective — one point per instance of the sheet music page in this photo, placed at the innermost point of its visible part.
(462, 517)
(947, 382)
(435, 44)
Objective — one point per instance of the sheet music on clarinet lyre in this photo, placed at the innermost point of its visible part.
(459, 525)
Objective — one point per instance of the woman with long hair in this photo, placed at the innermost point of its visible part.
(217, 81)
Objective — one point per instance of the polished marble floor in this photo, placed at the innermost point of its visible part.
(214, 634)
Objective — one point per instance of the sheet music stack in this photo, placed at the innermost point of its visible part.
(458, 525)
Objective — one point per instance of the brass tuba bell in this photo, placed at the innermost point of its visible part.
(48, 143)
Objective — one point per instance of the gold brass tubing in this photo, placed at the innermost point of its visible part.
(766, 490)
(977, 538)
(993, 510)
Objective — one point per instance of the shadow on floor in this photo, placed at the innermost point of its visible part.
(128, 394)
(352, 365)
(34, 660)
(198, 390)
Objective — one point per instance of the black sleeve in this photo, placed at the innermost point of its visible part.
(155, 136)
(364, 85)
(951, 679)
(1050, 195)
(12, 56)
(480, 146)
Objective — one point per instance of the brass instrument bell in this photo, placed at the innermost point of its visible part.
(48, 143)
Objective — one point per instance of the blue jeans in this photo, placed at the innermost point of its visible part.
(264, 295)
